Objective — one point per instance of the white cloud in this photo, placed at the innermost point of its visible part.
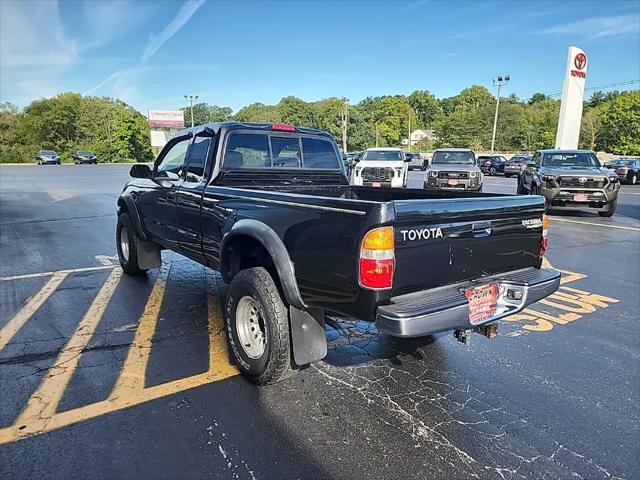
(599, 27)
(32, 35)
(184, 14)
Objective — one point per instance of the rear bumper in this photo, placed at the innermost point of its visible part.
(446, 308)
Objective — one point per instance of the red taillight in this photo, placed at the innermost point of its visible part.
(377, 259)
(544, 243)
(283, 127)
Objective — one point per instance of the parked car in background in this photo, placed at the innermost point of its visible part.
(84, 156)
(492, 164)
(47, 157)
(627, 169)
(571, 179)
(414, 161)
(453, 169)
(381, 167)
(514, 165)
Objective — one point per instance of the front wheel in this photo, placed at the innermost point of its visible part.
(127, 245)
(492, 171)
(633, 179)
(258, 327)
(611, 211)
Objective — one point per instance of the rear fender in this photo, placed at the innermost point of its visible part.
(276, 250)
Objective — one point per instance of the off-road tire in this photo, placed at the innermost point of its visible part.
(611, 211)
(275, 364)
(130, 264)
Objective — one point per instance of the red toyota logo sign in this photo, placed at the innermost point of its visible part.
(580, 61)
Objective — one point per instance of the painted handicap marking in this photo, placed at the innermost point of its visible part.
(40, 413)
(565, 306)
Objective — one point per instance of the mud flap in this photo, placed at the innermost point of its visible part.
(307, 335)
(148, 254)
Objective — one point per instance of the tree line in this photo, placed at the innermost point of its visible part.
(117, 132)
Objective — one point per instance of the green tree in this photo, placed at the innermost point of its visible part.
(295, 111)
(205, 113)
(538, 97)
(620, 128)
(257, 112)
(426, 106)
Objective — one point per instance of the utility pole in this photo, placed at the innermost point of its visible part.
(376, 135)
(502, 81)
(345, 121)
(191, 98)
(409, 135)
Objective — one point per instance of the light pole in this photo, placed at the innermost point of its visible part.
(376, 134)
(502, 81)
(191, 98)
(345, 120)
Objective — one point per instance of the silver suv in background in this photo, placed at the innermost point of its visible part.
(453, 169)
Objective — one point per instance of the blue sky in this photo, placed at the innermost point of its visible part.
(234, 53)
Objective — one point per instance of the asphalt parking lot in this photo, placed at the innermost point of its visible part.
(108, 376)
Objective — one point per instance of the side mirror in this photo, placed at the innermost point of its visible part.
(140, 170)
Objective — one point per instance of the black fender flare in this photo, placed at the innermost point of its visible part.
(275, 248)
(126, 202)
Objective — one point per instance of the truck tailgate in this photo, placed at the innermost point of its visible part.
(438, 242)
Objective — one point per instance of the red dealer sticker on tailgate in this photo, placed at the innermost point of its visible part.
(482, 302)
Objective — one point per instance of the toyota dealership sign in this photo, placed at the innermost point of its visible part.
(166, 118)
(572, 99)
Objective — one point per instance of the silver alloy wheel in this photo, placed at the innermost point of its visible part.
(124, 243)
(250, 327)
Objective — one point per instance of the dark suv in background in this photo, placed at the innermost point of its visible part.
(514, 165)
(627, 169)
(571, 179)
(492, 164)
(84, 156)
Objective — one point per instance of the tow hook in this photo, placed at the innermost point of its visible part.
(463, 335)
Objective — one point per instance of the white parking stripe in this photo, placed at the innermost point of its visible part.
(46, 274)
(556, 219)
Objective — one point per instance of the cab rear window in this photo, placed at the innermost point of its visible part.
(259, 150)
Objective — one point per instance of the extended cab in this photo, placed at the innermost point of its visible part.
(270, 208)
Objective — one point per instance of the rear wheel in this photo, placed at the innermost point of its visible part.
(492, 171)
(633, 179)
(258, 327)
(611, 211)
(127, 245)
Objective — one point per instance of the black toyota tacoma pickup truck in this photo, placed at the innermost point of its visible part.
(270, 208)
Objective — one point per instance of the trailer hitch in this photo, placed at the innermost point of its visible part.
(464, 335)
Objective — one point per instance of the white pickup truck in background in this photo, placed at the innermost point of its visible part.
(382, 167)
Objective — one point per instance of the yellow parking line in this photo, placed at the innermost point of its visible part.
(556, 219)
(44, 402)
(132, 377)
(47, 274)
(34, 303)
(219, 363)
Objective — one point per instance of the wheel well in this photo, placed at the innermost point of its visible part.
(122, 206)
(244, 252)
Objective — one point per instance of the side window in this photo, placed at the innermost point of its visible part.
(286, 152)
(247, 150)
(319, 153)
(174, 158)
(197, 159)
(536, 159)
